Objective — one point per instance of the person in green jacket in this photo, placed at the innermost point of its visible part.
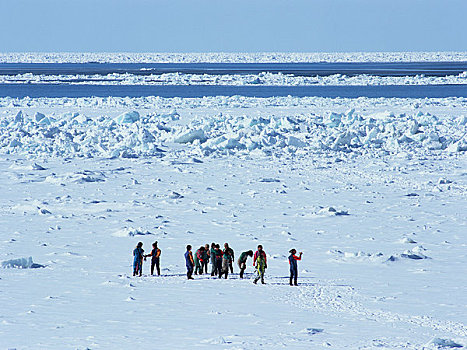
(261, 264)
(242, 261)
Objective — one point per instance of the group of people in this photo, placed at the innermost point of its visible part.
(139, 256)
(221, 261)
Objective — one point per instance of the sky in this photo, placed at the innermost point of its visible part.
(232, 25)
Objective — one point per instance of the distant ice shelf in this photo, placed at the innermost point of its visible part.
(213, 57)
(265, 78)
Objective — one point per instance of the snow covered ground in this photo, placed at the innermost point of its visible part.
(233, 57)
(373, 191)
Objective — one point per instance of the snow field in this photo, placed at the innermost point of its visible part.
(382, 229)
(353, 301)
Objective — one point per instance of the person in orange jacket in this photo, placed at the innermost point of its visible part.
(189, 262)
(155, 258)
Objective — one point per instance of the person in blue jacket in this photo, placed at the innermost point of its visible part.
(138, 254)
(293, 266)
(189, 262)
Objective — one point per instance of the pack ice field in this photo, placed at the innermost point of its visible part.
(371, 190)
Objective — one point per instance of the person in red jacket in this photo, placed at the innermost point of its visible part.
(259, 261)
(199, 260)
(293, 266)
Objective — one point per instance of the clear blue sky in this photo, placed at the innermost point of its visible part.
(233, 25)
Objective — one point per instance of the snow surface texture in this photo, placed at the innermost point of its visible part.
(266, 78)
(131, 135)
(265, 57)
(380, 219)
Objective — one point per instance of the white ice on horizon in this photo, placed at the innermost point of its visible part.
(261, 57)
(263, 79)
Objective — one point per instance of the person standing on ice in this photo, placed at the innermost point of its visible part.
(260, 262)
(189, 262)
(207, 256)
(242, 261)
(226, 260)
(155, 260)
(293, 266)
(199, 261)
(231, 254)
(138, 254)
(219, 259)
(213, 259)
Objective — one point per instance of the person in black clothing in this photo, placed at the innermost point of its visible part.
(155, 258)
(219, 256)
(212, 256)
(230, 252)
(242, 261)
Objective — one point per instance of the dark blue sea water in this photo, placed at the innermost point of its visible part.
(58, 90)
(299, 69)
